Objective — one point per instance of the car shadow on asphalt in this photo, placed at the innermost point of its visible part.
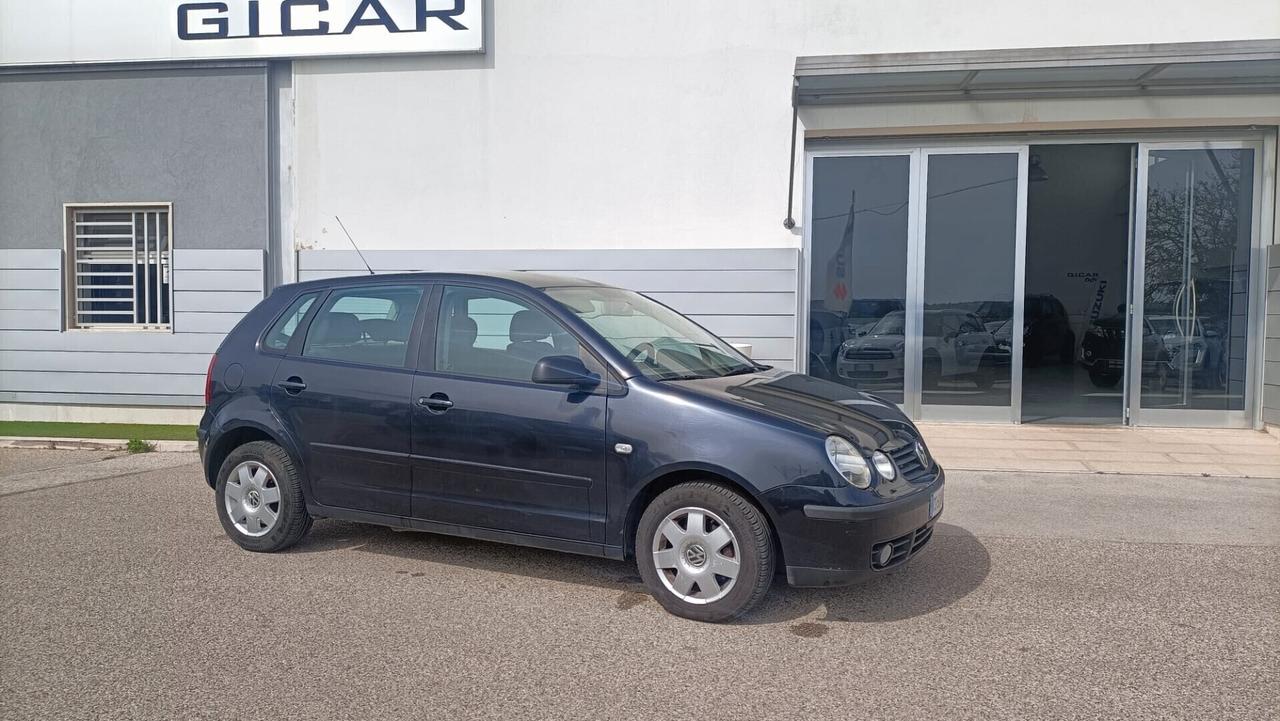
(953, 566)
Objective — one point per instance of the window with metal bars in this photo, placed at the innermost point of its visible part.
(119, 266)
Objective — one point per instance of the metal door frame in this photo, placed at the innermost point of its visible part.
(974, 414)
(1255, 319)
(910, 392)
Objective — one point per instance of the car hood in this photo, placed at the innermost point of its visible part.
(822, 406)
(884, 342)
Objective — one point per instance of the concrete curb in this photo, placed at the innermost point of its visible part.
(90, 444)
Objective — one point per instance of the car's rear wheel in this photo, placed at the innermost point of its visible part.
(259, 498)
(705, 552)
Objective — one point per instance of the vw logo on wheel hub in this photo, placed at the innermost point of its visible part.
(252, 499)
(695, 555)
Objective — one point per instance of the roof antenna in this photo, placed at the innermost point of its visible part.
(353, 245)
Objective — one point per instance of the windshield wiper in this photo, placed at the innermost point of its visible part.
(685, 377)
(743, 371)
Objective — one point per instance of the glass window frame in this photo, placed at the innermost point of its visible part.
(431, 329)
(298, 342)
(155, 238)
(303, 324)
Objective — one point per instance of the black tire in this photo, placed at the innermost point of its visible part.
(292, 520)
(754, 550)
(1104, 380)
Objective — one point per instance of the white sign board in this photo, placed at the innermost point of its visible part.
(48, 32)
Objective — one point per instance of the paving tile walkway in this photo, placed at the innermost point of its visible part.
(1104, 449)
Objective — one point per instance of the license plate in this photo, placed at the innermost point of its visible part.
(862, 367)
(935, 503)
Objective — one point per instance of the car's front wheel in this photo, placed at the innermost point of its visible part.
(705, 552)
(259, 498)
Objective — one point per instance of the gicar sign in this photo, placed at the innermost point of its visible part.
(50, 32)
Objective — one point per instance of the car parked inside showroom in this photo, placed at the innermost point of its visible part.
(955, 346)
(562, 414)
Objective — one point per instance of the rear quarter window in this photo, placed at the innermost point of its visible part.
(286, 325)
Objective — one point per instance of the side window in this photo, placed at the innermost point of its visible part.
(494, 335)
(368, 324)
(282, 332)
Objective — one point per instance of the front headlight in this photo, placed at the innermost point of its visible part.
(848, 462)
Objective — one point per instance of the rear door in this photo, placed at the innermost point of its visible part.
(492, 449)
(345, 395)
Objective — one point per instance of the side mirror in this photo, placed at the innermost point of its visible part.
(564, 370)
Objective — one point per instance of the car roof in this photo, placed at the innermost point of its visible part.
(521, 278)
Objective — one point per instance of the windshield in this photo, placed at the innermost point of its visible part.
(663, 344)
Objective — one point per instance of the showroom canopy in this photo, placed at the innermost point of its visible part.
(1169, 69)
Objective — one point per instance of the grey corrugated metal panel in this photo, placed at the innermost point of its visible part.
(756, 326)
(30, 278)
(30, 299)
(30, 319)
(1271, 373)
(217, 259)
(1273, 252)
(110, 341)
(198, 279)
(196, 322)
(230, 301)
(786, 365)
(1273, 280)
(1272, 349)
(31, 258)
(103, 362)
(1271, 396)
(653, 281)
(1273, 326)
(729, 303)
(1271, 415)
(1273, 301)
(102, 399)
(130, 383)
(713, 259)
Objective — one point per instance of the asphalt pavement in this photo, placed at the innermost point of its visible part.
(1044, 596)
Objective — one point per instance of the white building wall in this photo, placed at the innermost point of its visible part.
(635, 125)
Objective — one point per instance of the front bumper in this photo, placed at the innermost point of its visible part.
(827, 545)
(887, 371)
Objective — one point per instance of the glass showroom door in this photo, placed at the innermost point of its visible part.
(1192, 336)
(966, 336)
(861, 222)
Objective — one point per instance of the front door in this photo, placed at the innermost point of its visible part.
(346, 397)
(492, 449)
(1191, 336)
(968, 347)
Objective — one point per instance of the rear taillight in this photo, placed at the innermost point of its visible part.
(208, 380)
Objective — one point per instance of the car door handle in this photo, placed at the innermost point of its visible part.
(292, 385)
(436, 402)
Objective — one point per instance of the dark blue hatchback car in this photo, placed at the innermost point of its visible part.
(563, 414)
